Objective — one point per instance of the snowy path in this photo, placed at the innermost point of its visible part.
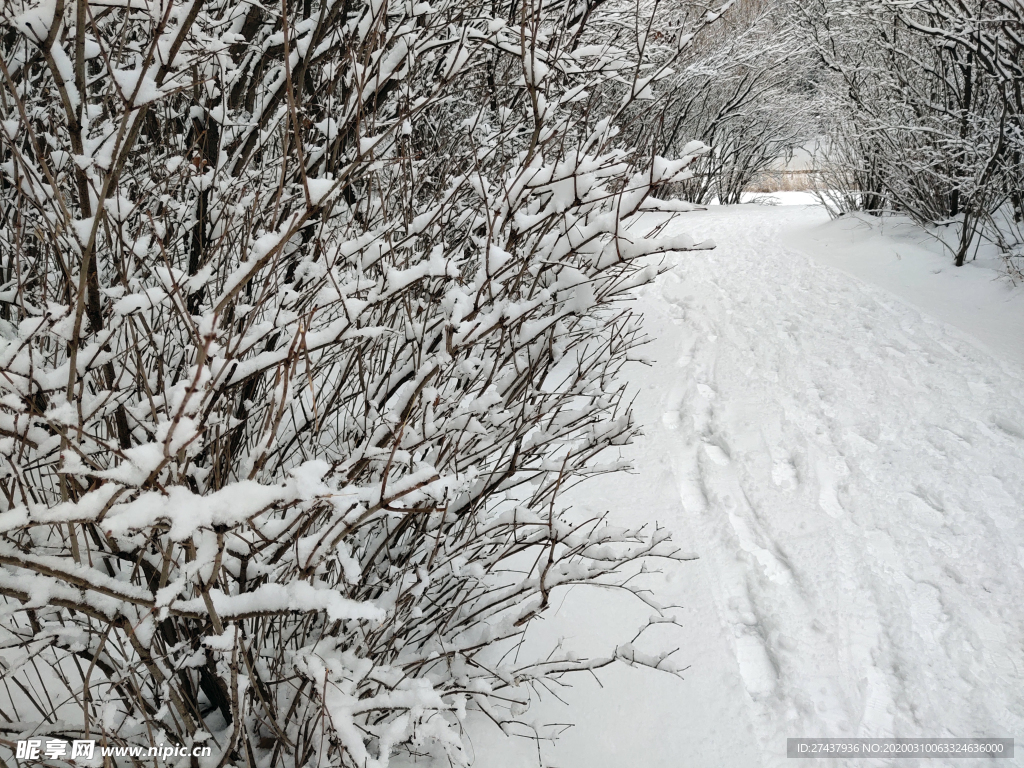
(852, 474)
(856, 473)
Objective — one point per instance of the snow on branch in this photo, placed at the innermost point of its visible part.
(308, 314)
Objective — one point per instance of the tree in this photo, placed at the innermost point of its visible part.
(309, 313)
(928, 98)
(741, 88)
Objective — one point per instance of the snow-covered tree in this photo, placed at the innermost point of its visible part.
(925, 115)
(308, 313)
(741, 88)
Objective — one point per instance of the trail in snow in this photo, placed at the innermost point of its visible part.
(851, 473)
(857, 475)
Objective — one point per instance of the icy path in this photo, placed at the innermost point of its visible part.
(852, 474)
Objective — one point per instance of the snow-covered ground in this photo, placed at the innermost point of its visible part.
(848, 460)
(907, 261)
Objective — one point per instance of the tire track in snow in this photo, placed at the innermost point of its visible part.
(855, 473)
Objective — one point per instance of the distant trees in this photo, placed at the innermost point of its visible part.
(745, 89)
(308, 313)
(924, 112)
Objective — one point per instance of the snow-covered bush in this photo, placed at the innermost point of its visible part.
(308, 313)
(741, 88)
(924, 114)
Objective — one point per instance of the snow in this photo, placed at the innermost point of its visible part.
(909, 262)
(778, 198)
(137, 86)
(296, 595)
(35, 23)
(846, 454)
(319, 189)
